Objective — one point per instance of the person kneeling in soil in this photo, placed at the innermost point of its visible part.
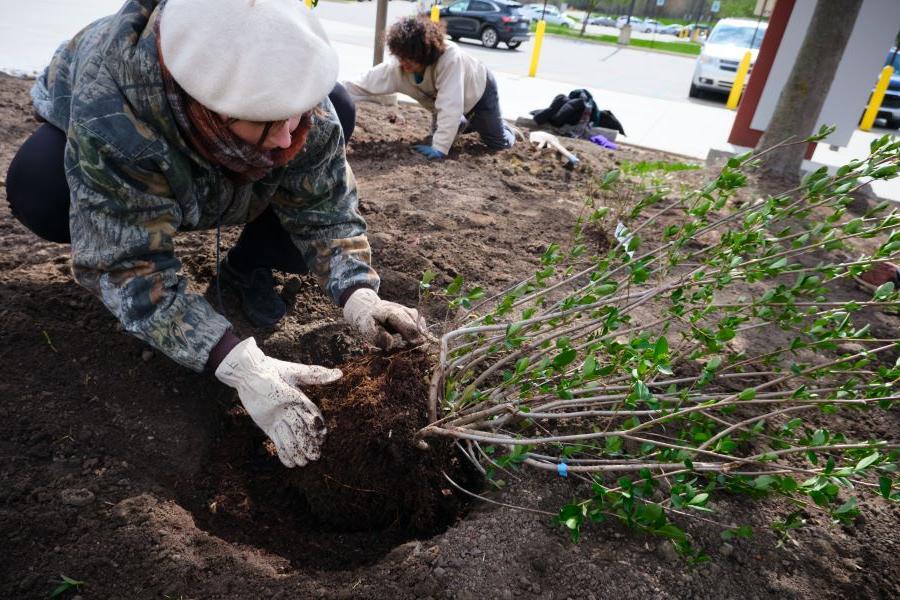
(184, 115)
(456, 88)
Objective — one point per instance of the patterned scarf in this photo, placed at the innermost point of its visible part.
(208, 134)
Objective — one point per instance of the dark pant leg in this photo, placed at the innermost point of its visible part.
(345, 109)
(36, 186)
(486, 120)
(265, 243)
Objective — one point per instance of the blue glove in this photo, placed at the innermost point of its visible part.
(603, 142)
(429, 152)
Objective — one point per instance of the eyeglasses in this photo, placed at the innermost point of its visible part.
(266, 125)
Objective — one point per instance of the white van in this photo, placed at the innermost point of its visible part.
(722, 53)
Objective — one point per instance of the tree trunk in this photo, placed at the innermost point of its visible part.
(590, 8)
(804, 92)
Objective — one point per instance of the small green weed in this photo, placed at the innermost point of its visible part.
(66, 584)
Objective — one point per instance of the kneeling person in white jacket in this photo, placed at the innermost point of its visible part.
(457, 88)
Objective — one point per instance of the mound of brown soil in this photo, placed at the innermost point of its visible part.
(371, 475)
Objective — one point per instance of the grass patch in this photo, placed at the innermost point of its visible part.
(645, 167)
(666, 21)
(688, 48)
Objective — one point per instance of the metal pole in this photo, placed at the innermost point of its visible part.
(380, 25)
(695, 34)
(758, 23)
(877, 98)
(536, 51)
(737, 88)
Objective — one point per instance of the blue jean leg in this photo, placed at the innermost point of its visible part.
(486, 120)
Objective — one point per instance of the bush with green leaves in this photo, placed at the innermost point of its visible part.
(636, 370)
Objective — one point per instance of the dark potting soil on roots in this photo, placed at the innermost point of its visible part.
(371, 489)
(371, 474)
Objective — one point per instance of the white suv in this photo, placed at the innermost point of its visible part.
(550, 14)
(722, 53)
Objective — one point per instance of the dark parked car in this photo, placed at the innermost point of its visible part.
(491, 21)
(890, 106)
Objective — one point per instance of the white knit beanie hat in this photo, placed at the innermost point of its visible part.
(259, 60)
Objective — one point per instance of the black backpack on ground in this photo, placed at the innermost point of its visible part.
(578, 108)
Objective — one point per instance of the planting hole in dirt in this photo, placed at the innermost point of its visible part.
(371, 490)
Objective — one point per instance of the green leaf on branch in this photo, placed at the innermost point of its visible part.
(884, 172)
(641, 391)
(819, 437)
(599, 213)
(614, 444)
(698, 500)
(824, 132)
(571, 516)
(521, 365)
(884, 290)
(744, 531)
(736, 161)
(866, 462)
(564, 358)
(589, 366)
(661, 349)
(847, 511)
(455, 285)
(427, 278)
(606, 289)
(610, 178)
(884, 486)
(748, 394)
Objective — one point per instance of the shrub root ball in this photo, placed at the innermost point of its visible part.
(371, 474)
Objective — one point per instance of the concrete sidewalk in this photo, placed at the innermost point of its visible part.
(30, 30)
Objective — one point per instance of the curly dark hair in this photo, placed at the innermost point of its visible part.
(417, 39)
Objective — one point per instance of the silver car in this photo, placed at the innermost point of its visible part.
(718, 62)
(602, 20)
(550, 14)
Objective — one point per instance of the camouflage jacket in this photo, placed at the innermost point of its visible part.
(135, 182)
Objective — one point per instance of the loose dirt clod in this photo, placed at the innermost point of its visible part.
(371, 474)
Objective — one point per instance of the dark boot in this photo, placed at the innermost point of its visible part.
(259, 301)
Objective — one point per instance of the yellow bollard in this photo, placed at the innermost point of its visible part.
(877, 97)
(739, 78)
(435, 13)
(536, 53)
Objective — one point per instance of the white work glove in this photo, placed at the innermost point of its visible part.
(543, 139)
(268, 390)
(377, 320)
